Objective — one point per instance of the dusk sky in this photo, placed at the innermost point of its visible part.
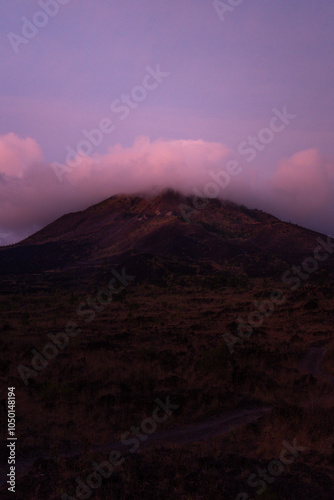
(179, 88)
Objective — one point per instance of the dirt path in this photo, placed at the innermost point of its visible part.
(311, 363)
(190, 434)
(199, 431)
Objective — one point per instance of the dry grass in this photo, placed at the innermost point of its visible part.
(161, 341)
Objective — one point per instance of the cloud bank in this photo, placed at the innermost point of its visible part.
(300, 189)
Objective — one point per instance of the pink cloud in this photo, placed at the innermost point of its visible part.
(176, 163)
(304, 184)
(301, 180)
(32, 196)
(301, 189)
(17, 154)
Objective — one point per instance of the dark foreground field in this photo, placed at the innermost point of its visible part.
(136, 393)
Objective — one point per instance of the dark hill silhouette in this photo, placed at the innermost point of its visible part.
(152, 234)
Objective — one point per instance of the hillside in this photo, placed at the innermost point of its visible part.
(134, 230)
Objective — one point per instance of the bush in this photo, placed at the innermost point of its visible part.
(215, 359)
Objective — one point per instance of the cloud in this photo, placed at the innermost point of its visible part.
(303, 182)
(31, 195)
(300, 189)
(146, 164)
(17, 154)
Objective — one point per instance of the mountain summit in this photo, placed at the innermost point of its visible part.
(164, 231)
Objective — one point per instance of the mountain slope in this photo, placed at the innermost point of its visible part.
(125, 229)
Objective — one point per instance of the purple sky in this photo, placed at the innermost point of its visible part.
(225, 77)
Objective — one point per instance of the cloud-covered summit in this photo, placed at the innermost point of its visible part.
(299, 189)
